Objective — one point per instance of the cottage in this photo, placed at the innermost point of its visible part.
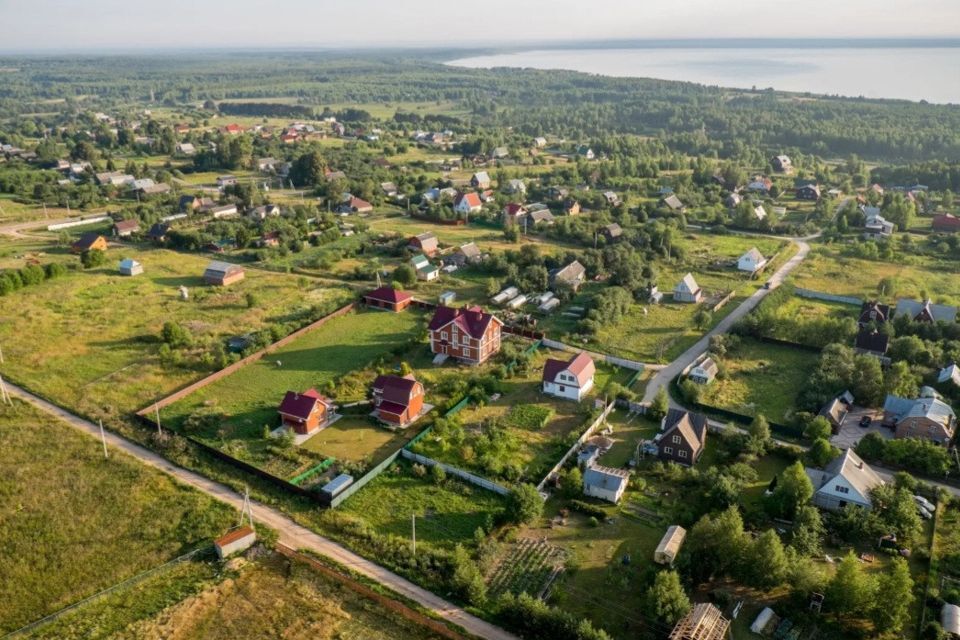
(542, 216)
(539, 142)
(926, 311)
(499, 153)
(304, 413)
(687, 290)
(388, 298)
(612, 232)
(573, 275)
(467, 203)
(447, 298)
(836, 410)
(222, 274)
(233, 129)
(480, 180)
(871, 342)
(673, 203)
(877, 228)
(873, 312)
(586, 152)
(514, 212)
(612, 198)
(226, 181)
(571, 379)
(158, 232)
(704, 371)
(89, 242)
(571, 207)
(240, 539)
(760, 184)
(517, 187)
(946, 223)
(130, 267)
(733, 200)
(425, 243)
(263, 212)
(186, 149)
(468, 333)
(126, 228)
(703, 622)
(398, 401)
(782, 163)
(605, 483)
(425, 271)
(682, 437)
(927, 418)
(669, 546)
(950, 373)
(752, 261)
(808, 192)
(389, 189)
(467, 254)
(353, 204)
(846, 480)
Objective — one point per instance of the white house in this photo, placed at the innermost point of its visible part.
(571, 379)
(846, 480)
(605, 483)
(752, 261)
(687, 290)
(704, 371)
(130, 267)
(425, 270)
(951, 374)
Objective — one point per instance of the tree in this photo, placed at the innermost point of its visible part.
(524, 504)
(851, 591)
(666, 599)
(894, 597)
(821, 452)
(759, 435)
(405, 275)
(308, 169)
(702, 318)
(175, 335)
(716, 543)
(808, 531)
(660, 404)
(467, 578)
(571, 482)
(819, 427)
(767, 561)
(794, 489)
(92, 258)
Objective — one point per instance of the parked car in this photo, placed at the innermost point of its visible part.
(924, 503)
(866, 421)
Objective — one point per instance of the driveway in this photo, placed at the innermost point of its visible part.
(851, 432)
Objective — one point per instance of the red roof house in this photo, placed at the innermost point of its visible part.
(467, 203)
(398, 400)
(388, 298)
(514, 212)
(304, 412)
(233, 129)
(467, 333)
(571, 379)
(359, 205)
(946, 222)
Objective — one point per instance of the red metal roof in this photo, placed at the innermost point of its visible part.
(473, 320)
(301, 405)
(395, 389)
(472, 199)
(389, 294)
(233, 536)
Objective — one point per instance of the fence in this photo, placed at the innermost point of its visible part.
(448, 223)
(364, 479)
(126, 583)
(79, 223)
(576, 446)
(829, 297)
(239, 364)
(455, 471)
(722, 302)
(619, 362)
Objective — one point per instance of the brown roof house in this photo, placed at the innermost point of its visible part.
(573, 275)
(682, 437)
(89, 242)
(388, 298)
(222, 274)
(425, 243)
(398, 400)
(467, 333)
(126, 228)
(304, 413)
(571, 379)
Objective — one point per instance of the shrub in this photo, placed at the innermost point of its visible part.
(588, 509)
(528, 416)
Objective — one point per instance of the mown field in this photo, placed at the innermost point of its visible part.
(74, 523)
(90, 340)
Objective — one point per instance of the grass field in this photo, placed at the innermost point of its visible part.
(90, 339)
(12, 211)
(356, 438)
(761, 378)
(74, 523)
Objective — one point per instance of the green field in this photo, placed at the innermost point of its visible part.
(74, 523)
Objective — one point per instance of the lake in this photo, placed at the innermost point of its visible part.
(909, 73)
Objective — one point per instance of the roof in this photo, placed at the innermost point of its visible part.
(671, 540)
(232, 536)
(300, 405)
(937, 312)
(472, 200)
(950, 619)
(470, 250)
(688, 283)
(216, 266)
(572, 273)
(703, 622)
(673, 202)
(754, 254)
(427, 241)
(930, 408)
(481, 176)
(855, 471)
(472, 320)
(874, 311)
(946, 221)
(127, 225)
(87, 240)
(514, 209)
(605, 477)
(158, 230)
(834, 411)
(396, 389)
(542, 215)
(951, 373)
(872, 341)
(692, 427)
(129, 263)
(388, 294)
(581, 366)
(709, 365)
(613, 230)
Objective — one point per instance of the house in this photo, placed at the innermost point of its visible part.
(398, 401)
(573, 275)
(872, 312)
(673, 203)
(224, 211)
(760, 184)
(782, 163)
(480, 180)
(950, 373)
(946, 223)
(468, 333)
(514, 213)
(542, 216)
(264, 211)
(612, 232)
(467, 203)
(518, 187)
(425, 270)
(571, 207)
(704, 371)
(130, 267)
(605, 483)
(703, 622)
(926, 311)
(126, 228)
(388, 298)
(240, 539)
(733, 200)
(836, 410)
(499, 153)
(114, 178)
(332, 176)
(233, 129)
(89, 242)
(470, 253)
(669, 546)
(871, 342)
(752, 261)
(682, 437)
(356, 205)
(157, 189)
(612, 198)
(389, 189)
(877, 228)
(266, 165)
(571, 379)
(687, 290)
(846, 480)
(226, 181)
(158, 232)
(808, 192)
(539, 142)
(222, 274)
(927, 418)
(425, 243)
(759, 213)
(586, 152)
(304, 413)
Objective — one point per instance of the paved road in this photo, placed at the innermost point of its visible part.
(291, 534)
(673, 369)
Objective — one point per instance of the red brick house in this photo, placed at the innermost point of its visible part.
(398, 400)
(467, 333)
(304, 412)
(388, 298)
(946, 222)
(682, 437)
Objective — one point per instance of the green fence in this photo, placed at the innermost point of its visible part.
(633, 379)
(320, 468)
(364, 480)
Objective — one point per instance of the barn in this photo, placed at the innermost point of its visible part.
(222, 274)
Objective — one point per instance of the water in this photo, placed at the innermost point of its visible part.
(909, 73)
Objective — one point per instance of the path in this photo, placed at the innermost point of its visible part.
(672, 370)
(290, 533)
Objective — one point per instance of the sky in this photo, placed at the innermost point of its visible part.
(92, 25)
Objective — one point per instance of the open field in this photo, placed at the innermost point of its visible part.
(91, 339)
(74, 523)
(761, 378)
(12, 211)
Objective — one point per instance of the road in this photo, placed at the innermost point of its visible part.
(672, 370)
(290, 533)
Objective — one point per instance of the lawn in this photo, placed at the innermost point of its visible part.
(357, 438)
(74, 523)
(761, 378)
(90, 339)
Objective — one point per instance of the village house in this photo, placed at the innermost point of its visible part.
(687, 290)
(304, 413)
(514, 213)
(836, 410)
(586, 152)
(542, 216)
(224, 211)
(946, 223)
(480, 180)
(926, 311)
(703, 622)
(571, 379)
(425, 271)
(89, 242)
(158, 232)
(126, 228)
(846, 480)
(517, 187)
(263, 212)
(186, 149)
(571, 207)
(467, 203)
(704, 370)
(226, 181)
(682, 437)
(950, 373)
(269, 239)
(222, 274)
(759, 213)
(927, 417)
(873, 312)
(539, 142)
(388, 298)
(130, 267)
(782, 163)
(425, 243)
(760, 184)
(612, 232)
(673, 203)
(398, 401)
(232, 129)
(468, 333)
(871, 342)
(573, 275)
(733, 200)
(353, 204)
(388, 189)
(808, 192)
(605, 483)
(114, 178)
(752, 261)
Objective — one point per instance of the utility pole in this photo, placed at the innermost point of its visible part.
(4, 396)
(413, 528)
(103, 439)
(156, 408)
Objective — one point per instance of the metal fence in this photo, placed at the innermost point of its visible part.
(455, 471)
(602, 357)
(576, 446)
(364, 479)
(829, 297)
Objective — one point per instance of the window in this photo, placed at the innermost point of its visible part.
(682, 453)
(676, 439)
(842, 489)
(443, 335)
(668, 450)
(562, 388)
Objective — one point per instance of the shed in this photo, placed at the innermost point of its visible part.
(447, 297)
(336, 486)
(669, 545)
(950, 619)
(763, 620)
(130, 267)
(222, 273)
(235, 541)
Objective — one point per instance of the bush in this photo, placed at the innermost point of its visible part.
(525, 504)
(533, 618)
(588, 509)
